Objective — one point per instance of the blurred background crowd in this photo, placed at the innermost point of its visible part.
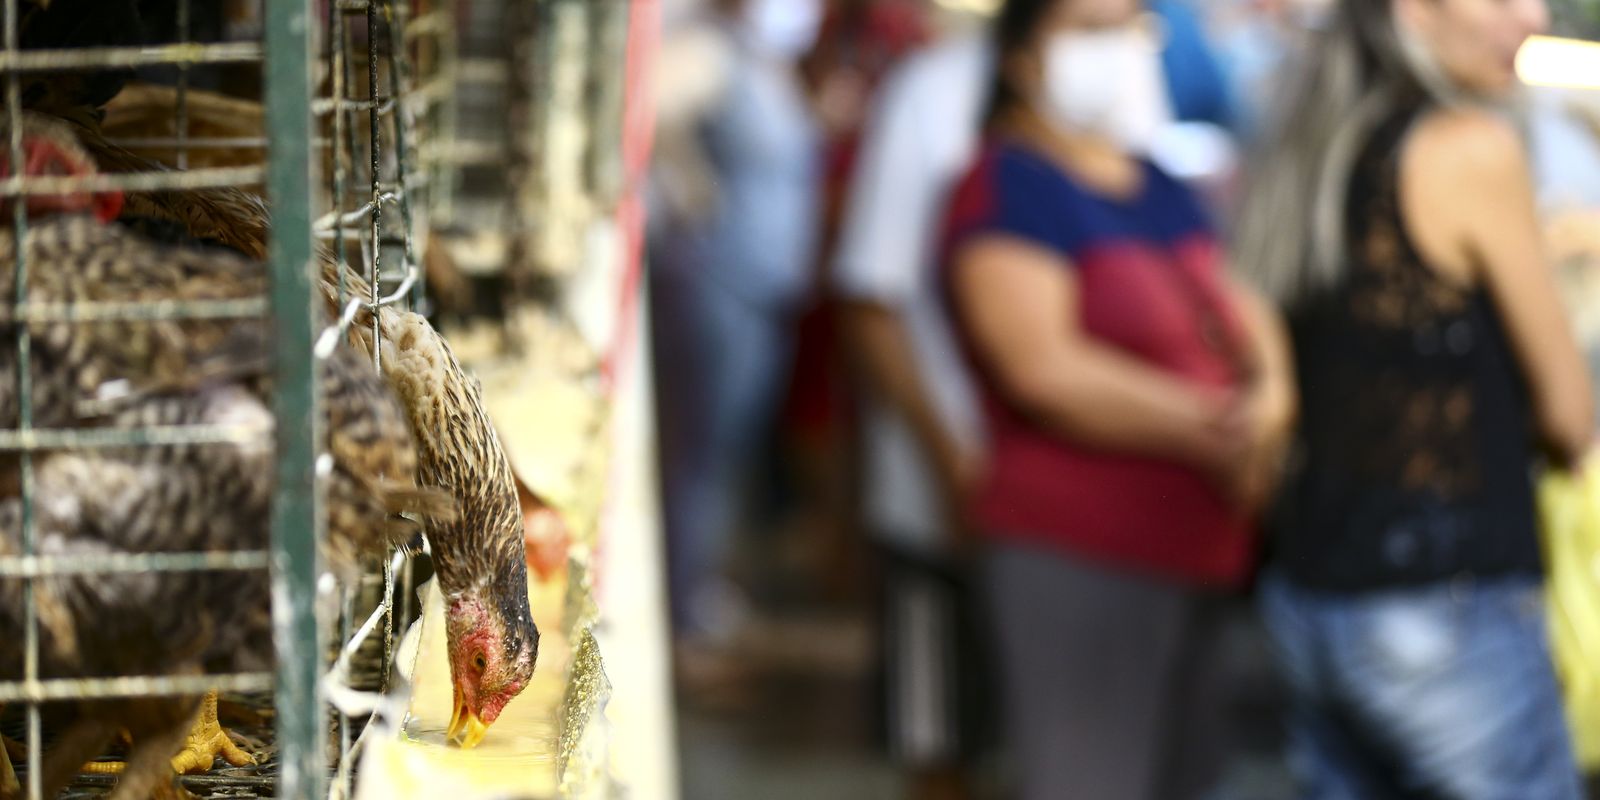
(1118, 399)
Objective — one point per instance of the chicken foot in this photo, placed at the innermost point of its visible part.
(207, 740)
(9, 787)
(204, 742)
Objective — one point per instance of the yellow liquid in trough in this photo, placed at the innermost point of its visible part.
(516, 760)
(548, 423)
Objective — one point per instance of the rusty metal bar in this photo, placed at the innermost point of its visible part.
(45, 691)
(100, 57)
(209, 178)
(152, 311)
(123, 563)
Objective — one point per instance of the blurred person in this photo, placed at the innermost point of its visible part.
(733, 231)
(1200, 90)
(1255, 39)
(859, 41)
(919, 423)
(1134, 401)
(1564, 135)
(1394, 218)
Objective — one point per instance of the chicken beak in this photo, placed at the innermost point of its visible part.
(457, 708)
(472, 731)
(465, 727)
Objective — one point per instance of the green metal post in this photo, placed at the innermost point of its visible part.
(296, 523)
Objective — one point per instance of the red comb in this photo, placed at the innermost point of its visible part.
(43, 158)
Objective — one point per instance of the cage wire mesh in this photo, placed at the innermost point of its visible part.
(193, 110)
(528, 161)
(466, 158)
(180, 56)
(368, 113)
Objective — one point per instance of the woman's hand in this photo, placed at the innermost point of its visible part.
(958, 475)
(1262, 420)
(1265, 414)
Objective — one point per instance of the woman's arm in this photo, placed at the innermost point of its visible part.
(1272, 402)
(887, 363)
(1018, 303)
(1471, 169)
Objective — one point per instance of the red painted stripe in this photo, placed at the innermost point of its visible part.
(638, 132)
(637, 139)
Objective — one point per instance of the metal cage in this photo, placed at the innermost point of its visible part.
(367, 219)
(294, 528)
(352, 118)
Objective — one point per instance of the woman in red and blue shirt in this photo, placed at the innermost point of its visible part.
(1136, 402)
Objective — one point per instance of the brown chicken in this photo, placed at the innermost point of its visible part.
(170, 498)
(479, 557)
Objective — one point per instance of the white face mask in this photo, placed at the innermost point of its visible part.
(783, 28)
(1108, 84)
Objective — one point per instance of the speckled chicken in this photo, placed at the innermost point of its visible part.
(112, 374)
(144, 500)
(480, 561)
(479, 557)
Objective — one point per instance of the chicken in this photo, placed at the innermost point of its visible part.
(493, 641)
(143, 500)
(75, 363)
(168, 498)
(480, 557)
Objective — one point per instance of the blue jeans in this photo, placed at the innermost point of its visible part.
(720, 365)
(1441, 691)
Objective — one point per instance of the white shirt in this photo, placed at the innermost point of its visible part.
(921, 139)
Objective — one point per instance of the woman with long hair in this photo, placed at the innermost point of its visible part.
(1394, 219)
(1133, 398)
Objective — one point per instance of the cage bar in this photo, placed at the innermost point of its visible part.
(293, 117)
(114, 563)
(30, 621)
(34, 692)
(181, 112)
(152, 311)
(14, 60)
(296, 521)
(209, 178)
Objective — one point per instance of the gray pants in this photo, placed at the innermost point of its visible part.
(1112, 681)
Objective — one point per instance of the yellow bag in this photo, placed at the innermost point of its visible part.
(1569, 511)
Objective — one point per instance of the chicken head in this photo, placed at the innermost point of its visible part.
(491, 656)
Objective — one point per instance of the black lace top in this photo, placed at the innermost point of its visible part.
(1416, 436)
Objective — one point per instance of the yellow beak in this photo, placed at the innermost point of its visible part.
(465, 727)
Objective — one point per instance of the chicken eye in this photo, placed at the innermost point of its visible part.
(480, 662)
